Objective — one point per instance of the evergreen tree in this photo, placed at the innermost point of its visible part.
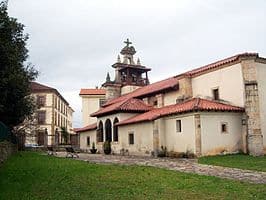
(15, 73)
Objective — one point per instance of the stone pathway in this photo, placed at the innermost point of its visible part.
(181, 165)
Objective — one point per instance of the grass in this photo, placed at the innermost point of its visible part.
(240, 161)
(29, 175)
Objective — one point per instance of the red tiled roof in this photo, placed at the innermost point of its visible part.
(86, 128)
(156, 87)
(92, 92)
(34, 86)
(219, 63)
(194, 104)
(39, 88)
(128, 105)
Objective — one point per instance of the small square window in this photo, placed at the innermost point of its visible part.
(131, 138)
(178, 126)
(224, 127)
(41, 100)
(101, 102)
(215, 93)
(88, 141)
(41, 117)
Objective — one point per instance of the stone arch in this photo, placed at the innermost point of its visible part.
(100, 132)
(108, 130)
(115, 128)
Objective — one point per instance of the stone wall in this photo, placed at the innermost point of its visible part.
(112, 91)
(6, 149)
(254, 134)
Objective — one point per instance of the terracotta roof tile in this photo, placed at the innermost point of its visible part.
(92, 92)
(128, 105)
(86, 128)
(39, 88)
(34, 86)
(194, 104)
(156, 87)
(219, 63)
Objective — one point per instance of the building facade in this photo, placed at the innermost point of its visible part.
(210, 110)
(52, 115)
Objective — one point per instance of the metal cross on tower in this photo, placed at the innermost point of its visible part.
(127, 42)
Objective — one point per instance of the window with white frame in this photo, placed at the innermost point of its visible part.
(178, 126)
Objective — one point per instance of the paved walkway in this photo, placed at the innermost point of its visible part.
(181, 165)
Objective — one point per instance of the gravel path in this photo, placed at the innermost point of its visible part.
(181, 165)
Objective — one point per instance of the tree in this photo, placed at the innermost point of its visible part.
(64, 135)
(16, 103)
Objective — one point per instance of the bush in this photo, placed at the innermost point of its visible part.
(93, 149)
(162, 152)
(173, 154)
(107, 147)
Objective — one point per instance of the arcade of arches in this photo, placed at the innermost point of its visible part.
(107, 131)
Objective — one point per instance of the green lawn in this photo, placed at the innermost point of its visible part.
(30, 175)
(236, 161)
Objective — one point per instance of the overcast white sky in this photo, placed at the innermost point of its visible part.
(73, 43)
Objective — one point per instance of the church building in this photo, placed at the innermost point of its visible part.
(217, 108)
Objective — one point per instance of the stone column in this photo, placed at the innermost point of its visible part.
(160, 102)
(197, 135)
(155, 138)
(254, 134)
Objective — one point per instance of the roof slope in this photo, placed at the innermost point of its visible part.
(95, 91)
(35, 87)
(219, 63)
(39, 88)
(128, 105)
(156, 87)
(191, 105)
(86, 128)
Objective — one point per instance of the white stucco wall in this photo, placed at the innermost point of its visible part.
(229, 81)
(83, 139)
(183, 141)
(116, 146)
(213, 141)
(90, 104)
(143, 138)
(170, 98)
(261, 73)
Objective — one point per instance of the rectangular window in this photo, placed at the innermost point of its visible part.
(131, 138)
(41, 117)
(41, 100)
(224, 127)
(178, 126)
(55, 118)
(101, 102)
(55, 102)
(88, 141)
(215, 93)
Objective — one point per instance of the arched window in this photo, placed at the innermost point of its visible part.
(115, 128)
(100, 132)
(108, 130)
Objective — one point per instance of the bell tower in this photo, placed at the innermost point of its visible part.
(129, 73)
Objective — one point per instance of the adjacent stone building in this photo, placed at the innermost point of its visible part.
(216, 108)
(53, 113)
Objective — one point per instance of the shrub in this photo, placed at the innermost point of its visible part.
(107, 147)
(93, 149)
(162, 152)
